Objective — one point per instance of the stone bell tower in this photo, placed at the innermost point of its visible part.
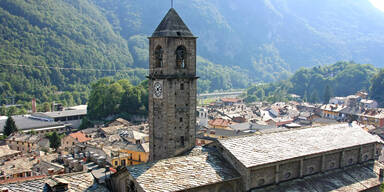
(172, 88)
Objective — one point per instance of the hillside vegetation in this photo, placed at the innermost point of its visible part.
(342, 79)
(55, 49)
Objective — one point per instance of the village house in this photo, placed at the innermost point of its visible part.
(278, 122)
(332, 111)
(202, 117)
(69, 141)
(338, 100)
(230, 101)
(18, 168)
(373, 117)
(120, 122)
(369, 104)
(7, 154)
(118, 153)
(27, 143)
(220, 123)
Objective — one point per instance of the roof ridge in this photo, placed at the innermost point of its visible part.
(172, 26)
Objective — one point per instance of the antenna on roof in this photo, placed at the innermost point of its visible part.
(171, 3)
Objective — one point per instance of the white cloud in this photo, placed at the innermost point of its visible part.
(378, 4)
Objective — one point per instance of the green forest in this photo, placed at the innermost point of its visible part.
(55, 50)
(318, 84)
(109, 97)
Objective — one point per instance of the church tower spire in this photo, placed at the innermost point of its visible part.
(172, 88)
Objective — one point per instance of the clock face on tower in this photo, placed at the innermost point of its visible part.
(158, 89)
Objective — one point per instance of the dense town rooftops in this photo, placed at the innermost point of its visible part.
(262, 149)
(77, 182)
(181, 173)
(172, 26)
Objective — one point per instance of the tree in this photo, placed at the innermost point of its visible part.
(314, 97)
(46, 107)
(377, 88)
(10, 126)
(327, 94)
(12, 111)
(3, 110)
(54, 140)
(85, 123)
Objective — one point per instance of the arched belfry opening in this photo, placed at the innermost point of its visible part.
(159, 57)
(181, 54)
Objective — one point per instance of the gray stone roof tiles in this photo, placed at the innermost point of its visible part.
(78, 182)
(257, 150)
(185, 172)
(172, 26)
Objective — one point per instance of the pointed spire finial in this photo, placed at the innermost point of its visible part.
(171, 3)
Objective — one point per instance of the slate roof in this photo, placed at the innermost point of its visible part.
(78, 182)
(6, 151)
(19, 165)
(172, 26)
(262, 149)
(181, 173)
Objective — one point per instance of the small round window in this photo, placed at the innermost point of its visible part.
(365, 157)
(350, 161)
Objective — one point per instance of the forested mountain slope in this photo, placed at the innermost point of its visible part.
(240, 42)
(268, 37)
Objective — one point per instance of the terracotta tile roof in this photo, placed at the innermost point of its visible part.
(80, 136)
(219, 122)
(230, 100)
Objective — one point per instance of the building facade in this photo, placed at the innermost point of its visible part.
(172, 88)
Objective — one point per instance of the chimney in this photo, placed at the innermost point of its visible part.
(51, 171)
(34, 105)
